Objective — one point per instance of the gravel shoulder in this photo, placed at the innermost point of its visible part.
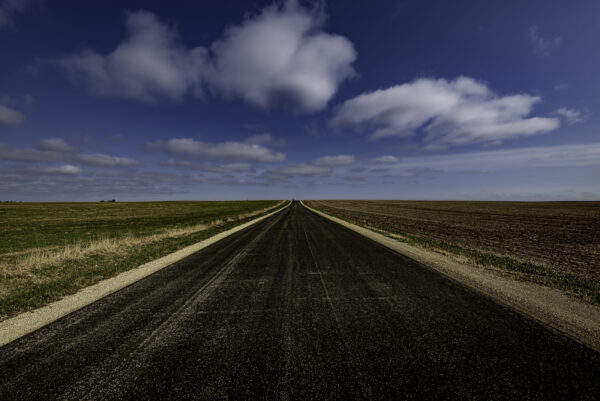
(27, 322)
(552, 307)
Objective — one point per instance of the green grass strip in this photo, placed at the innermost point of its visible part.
(49, 284)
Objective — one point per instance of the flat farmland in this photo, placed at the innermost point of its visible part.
(553, 243)
(48, 250)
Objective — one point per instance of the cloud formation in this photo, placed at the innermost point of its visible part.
(530, 157)
(280, 57)
(101, 160)
(570, 115)
(265, 139)
(148, 65)
(210, 167)
(335, 161)
(223, 151)
(55, 145)
(67, 182)
(300, 169)
(385, 160)
(67, 169)
(10, 117)
(316, 167)
(29, 155)
(543, 46)
(457, 112)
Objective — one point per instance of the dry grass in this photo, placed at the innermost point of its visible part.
(38, 258)
(51, 250)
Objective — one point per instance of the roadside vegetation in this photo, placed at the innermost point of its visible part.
(551, 243)
(48, 250)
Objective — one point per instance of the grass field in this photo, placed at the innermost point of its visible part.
(48, 250)
(552, 243)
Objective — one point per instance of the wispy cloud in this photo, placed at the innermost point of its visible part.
(320, 166)
(301, 169)
(9, 8)
(355, 178)
(385, 160)
(57, 149)
(224, 151)
(10, 117)
(265, 139)
(531, 157)
(29, 155)
(63, 182)
(209, 167)
(116, 138)
(543, 46)
(563, 86)
(335, 161)
(67, 169)
(102, 160)
(457, 112)
(55, 145)
(570, 115)
(279, 57)
(22, 100)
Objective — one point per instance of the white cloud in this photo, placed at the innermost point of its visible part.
(385, 160)
(10, 117)
(570, 115)
(280, 57)
(101, 160)
(335, 161)
(226, 151)
(532, 157)
(148, 65)
(66, 169)
(55, 145)
(319, 166)
(454, 112)
(227, 168)
(543, 46)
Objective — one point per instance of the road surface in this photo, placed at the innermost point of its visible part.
(296, 308)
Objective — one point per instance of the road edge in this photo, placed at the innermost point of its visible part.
(27, 322)
(549, 306)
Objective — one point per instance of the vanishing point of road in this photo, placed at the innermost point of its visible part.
(296, 307)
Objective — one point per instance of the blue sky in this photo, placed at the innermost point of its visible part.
(242, 100)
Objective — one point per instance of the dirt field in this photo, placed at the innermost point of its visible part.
(557, 243)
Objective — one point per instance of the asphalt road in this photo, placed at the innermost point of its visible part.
(296, 308)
